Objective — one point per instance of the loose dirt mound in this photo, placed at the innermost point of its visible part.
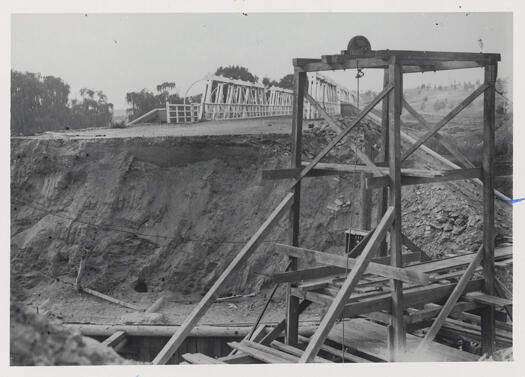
(170, 214)
(37, 341)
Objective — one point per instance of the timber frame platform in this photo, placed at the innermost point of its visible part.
(393, 293)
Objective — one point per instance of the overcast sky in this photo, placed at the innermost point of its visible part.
(117, 53)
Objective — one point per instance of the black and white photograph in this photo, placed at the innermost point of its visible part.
(261, 187)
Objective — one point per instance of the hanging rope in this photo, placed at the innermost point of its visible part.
(358, 75)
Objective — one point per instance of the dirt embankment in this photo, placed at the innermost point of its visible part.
(173, 212)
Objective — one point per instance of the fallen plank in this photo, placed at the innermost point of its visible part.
(313, 256)
(111, 299)
(199, 358)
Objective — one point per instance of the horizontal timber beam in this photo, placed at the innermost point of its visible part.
(434, 293)
(332, 271)
(449, 175)
(313, 256)
(324, 169)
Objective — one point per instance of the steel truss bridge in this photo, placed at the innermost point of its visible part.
(224, 98)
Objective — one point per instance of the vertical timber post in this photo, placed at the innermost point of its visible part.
(394, 159)
(366, 205)
(292, 307)
(488, 332)
(383, 194)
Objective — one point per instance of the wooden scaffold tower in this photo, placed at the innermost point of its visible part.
(414, 294)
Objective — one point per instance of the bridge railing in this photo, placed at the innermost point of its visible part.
(180, 113)
(224, 111)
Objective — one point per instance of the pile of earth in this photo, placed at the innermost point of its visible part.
(38, 341)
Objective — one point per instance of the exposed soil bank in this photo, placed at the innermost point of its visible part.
(169, 214)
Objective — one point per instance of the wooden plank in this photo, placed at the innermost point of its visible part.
(407, 258)
(483, 298)
(327, 169)
(156, 305)
(295, 351)
(429, 313)
(455, 111)
(262, 356)
(313, 256)
(370, 339)
(438, 265)
(338, 353)
(452, 300)
(176, 340)
(111, 299)
(346, 290)
(199, 358)
(308, 274)
(271, 351)
(115, 339)
(412, 297)
(292, 302)
(450, 175)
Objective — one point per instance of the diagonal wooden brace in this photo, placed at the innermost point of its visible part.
(445, 120)
(317, 340)
(452, 300)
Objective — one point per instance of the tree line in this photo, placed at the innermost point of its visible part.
(41, 103)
